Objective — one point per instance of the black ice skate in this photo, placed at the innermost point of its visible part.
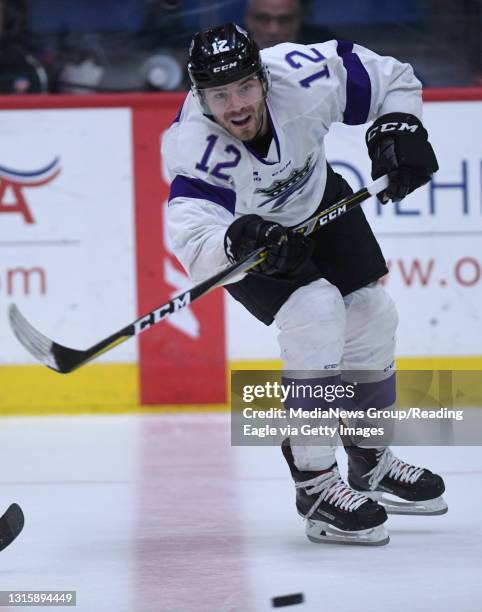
(333, 511)
(378, 473)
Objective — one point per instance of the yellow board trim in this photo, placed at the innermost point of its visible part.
(103, 388)
(114, 388)
(403, 363)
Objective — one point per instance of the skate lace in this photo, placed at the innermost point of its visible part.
(391, 466)
(332, 489)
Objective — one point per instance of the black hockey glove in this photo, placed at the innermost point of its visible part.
(287, 252)
(398, 146)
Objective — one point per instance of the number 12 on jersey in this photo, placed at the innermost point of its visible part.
(231, 149)
(315, 58)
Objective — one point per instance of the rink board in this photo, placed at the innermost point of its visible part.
(84, 251)
(114, 388)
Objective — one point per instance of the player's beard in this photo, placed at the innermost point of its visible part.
(255, 126)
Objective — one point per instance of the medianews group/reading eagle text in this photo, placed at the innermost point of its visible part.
(340, 413)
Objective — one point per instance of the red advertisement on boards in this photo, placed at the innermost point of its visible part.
(182, 360)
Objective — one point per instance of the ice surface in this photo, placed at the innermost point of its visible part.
(160, 513)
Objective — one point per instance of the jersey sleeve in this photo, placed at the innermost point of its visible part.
(339, 81)
(196, 229)
(393, 85)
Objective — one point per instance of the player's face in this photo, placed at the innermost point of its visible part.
(238, 107)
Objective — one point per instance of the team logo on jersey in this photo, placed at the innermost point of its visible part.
(13, 183)
(280, 190)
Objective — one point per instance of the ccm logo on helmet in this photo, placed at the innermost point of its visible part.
(392, 126)
(225, 67)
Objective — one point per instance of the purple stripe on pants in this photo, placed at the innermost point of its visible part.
(373, 395)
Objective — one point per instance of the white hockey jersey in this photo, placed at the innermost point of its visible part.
(216, 177)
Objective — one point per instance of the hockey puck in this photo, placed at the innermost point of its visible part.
(287, 600)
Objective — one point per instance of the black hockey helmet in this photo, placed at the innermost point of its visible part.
(222, 55)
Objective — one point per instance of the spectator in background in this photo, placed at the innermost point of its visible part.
(275, 21)
(80, 64)
(133, 48)
(20, 72)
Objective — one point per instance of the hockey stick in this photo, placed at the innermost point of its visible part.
(64, 359)
(11, 524)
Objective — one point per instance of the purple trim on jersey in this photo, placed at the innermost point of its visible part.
(184, 187)
(276, 139)
(358, 86)
(377, 395)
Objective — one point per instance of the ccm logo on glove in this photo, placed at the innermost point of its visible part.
(398, 147)
(391, 126)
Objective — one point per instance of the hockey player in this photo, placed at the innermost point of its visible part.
(247, 162)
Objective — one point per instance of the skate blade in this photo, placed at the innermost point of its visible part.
(429, 507)
(320, 532)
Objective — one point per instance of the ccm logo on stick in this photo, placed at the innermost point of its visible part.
(392, 126)
(332, 215)
(154, 317)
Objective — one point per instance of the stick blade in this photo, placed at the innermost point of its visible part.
(38, 345)
(11, 524)
(55, 356)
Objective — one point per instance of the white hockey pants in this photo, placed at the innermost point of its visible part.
(322, 333)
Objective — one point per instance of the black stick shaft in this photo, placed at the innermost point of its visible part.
(64, 359)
